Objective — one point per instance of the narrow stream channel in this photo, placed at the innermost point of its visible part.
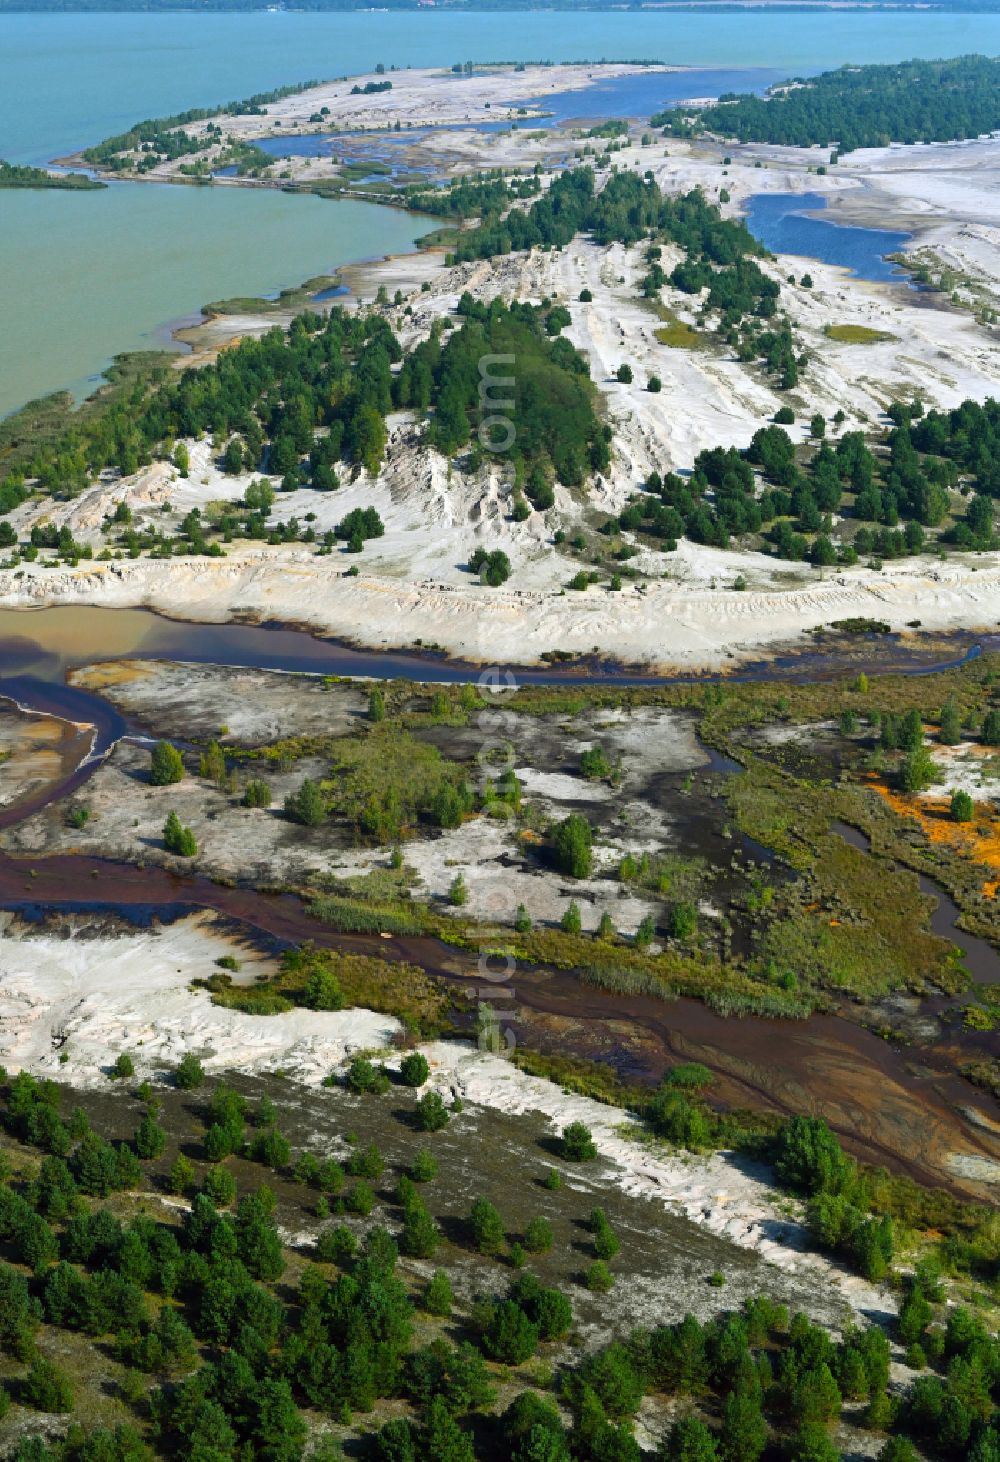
(906, 1110)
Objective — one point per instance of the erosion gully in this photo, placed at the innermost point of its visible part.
(906, 1108)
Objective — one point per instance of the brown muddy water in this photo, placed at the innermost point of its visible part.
(906, 1109)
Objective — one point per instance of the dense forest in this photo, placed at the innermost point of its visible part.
(231, 1342)
(859, 106)
(297, 403)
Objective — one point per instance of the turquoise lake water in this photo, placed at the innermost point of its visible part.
(83, 276)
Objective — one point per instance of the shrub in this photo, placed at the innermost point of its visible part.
(166, 765)
(414, 1069)
(577, 1144)
(123, 1068)
(486, 1227)
(47, 1388)
(306, 805)
(256, 793)
(190, 1073)
(572, 842)
(178, 839)
(430, 1112)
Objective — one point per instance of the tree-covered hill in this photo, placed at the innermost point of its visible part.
(861, 106)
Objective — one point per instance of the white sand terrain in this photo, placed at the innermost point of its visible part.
(683, 610)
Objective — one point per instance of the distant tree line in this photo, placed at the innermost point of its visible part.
(162, 138)
(13, 176)
(859, 106)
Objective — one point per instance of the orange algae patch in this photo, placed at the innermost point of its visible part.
(978, 840)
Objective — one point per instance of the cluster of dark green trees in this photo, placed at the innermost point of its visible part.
(160, 138)
(720, 252)
(474, 196)
(236, 1354)
(900, 485)
(13, 176)
(859, 106)
(296, 404)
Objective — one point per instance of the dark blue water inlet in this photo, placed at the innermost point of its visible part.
(783, 223)
(642, 93)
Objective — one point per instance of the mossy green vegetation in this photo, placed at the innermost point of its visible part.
(856, 334)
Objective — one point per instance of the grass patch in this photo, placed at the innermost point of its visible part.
(388, 987)
(856, 334)
(677, 333)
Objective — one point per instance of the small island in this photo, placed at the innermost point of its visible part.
(12, 176)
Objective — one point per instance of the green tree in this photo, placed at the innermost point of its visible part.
(486, 1227)
(47, 1388)
(950, 728)
(508, 1335)
(178, 839)
(376, 704)
(256, 793)
(437, 1296)
(189, 1073)
(431, 1112)
(577, 1143)
(991, 727)
(918, 771)
(572, 842)
(322, 990)
(690, 1441)
(962, 806)
(811, 1444)
(150, 1138)
(538, 1236)
(421, 1235)
(571, 923)
(166, 765)
(624, 375)
(414, 1069)
(306, 805)
(809, 1159)
(744, 1430)
(458, 894)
